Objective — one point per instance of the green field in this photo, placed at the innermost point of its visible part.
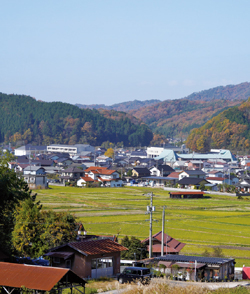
(200, 223)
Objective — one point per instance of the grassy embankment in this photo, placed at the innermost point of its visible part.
(200, 223)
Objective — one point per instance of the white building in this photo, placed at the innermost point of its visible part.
(71, 149)
(29, 149)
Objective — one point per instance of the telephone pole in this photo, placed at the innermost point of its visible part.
(150, 210)
(162, 231)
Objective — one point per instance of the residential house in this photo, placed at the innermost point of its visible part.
(34, 170)
(215, 173)
(180, 165)
(173, 178)
(139, 172)
(171, 245)
(34, 181)
(162, 170)
(192, 183)
(139, 153)
(195, 165)
(71, 174)
(102, 175)
(88, 258)
(192, 173)
(103, 159)
(63, 161)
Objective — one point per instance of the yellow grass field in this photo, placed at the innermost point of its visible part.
(200, 223)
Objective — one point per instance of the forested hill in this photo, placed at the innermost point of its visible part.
(176, 118)
(229, 130)
(124, 106)
(37, 122)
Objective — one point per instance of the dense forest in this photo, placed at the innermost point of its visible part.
(25, 119)
(230, 130)
(176, 118)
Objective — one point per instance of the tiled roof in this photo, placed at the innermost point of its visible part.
(215, 179)
(88, 179)
(190, 181)
(94, 247)
(174, 175)
(172, 244)
(100, 170)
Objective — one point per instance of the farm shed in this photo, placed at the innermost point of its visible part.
(37, 278)
(199, 267)
(88, 258)
(186, 194)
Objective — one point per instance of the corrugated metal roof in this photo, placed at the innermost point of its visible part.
(199, 259)
(33, 277)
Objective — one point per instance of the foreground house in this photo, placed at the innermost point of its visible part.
(171, 245)
(88, 258)
(40, 279)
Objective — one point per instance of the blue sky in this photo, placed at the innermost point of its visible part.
(111, 51)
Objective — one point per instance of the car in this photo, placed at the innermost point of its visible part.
(135, 274)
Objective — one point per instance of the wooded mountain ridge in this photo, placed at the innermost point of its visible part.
(25, 119)
(230, 130)
(176, 118)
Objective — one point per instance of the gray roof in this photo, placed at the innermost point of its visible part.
(191, 181)
(200, 259)
(223, 154)
(194, 172)
(33, 168)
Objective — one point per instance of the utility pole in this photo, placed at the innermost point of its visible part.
(150, 210)
(162, 231)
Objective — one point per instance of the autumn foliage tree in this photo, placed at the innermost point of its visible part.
(110, 153)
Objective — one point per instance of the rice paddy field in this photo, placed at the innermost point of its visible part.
(214, 221)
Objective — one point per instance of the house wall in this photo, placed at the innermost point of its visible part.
(81, 264)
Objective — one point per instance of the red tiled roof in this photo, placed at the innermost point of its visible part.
(157, 249)
(172, 244)
(32, 277)
(100, 170)
(94, 247)
(174, 175)
(215, 179)
(88, 179)
(214, 172)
